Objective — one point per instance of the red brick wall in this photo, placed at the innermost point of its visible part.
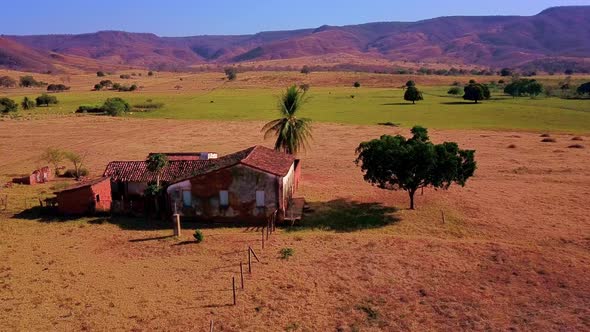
(83, 200)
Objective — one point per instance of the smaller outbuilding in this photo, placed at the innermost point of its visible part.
(41, 175)
(85, 198)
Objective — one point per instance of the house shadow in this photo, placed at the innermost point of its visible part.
(398, 104)
(342, 215)
(459, 103)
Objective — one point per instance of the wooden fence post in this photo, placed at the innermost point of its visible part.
(242, 274)
(233, 286)
(211, 326)
(262, 237)
(443, 216)
(254, 254)
(249, 260)
(177, 230)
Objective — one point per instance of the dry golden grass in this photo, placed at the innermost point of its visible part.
(514, 252)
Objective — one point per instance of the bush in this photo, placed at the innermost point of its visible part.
(286, 253)
(7, 105)
(7, 82)
(90, 109)
(305, 70)
(100, 73)
(27, 103)
(548, 140)
(46, 100)
(28, 81)
(231, 73)
(576, 146)
(150, 73)
(454, 90)
(116, 106)
(57, 88)
(357, 84)
(199, 237)
(148, 106)
(71, 173)
(125, 76)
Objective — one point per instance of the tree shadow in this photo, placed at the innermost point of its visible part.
(342, 215)
(398, 104)
(459, 103)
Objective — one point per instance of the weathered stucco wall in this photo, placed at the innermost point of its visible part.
(241, 183)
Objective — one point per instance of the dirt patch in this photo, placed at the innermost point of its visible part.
(513, 252)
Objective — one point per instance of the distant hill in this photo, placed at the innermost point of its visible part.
(554, 38)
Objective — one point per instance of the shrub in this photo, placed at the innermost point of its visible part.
(90, 109)
(286, 253)
(97, 87)
(28, 81)
(454, 90)
(512, 146)
(577, 138)
(125, 76)
(57, 88)
(100, 73)
(304, 87)
(7, 82)
(116, 106)
(231, 73)
(148, 106)
(27, 103)
(199, 237)
(576, 146)
(46, 100)
(545, 135)
(305, 70)
(71, 173)
(150, 73)
(106, 83)
(7, 105)
(357, 84)
(548, 140)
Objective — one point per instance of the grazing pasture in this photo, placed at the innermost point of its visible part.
(514, 242)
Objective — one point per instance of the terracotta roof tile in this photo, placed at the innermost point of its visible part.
(83, 184)
(269, 160)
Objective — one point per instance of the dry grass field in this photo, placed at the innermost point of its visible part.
(512, 254)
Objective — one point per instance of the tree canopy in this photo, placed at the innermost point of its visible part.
(476, 92)
(584, 88)
(397, 163)
(413, 94)
(116, 106)
(7, 82)
(292, 133)
(522, 87)
(231, 73)
(46, 100)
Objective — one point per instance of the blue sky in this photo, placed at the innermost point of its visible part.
(196, 17)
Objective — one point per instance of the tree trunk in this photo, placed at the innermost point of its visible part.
(411, 193)
(413, 102)
(476, 101)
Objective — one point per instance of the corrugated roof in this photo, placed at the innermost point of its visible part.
(83, 185)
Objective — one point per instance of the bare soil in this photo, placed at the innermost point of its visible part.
(512, 254)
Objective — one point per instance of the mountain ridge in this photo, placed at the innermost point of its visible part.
(488, 41)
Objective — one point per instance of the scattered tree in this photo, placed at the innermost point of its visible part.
(413, 94)
(7, 82)
(305, 70)
(54, 157)
(410, 83)
(77, 161)
(116, 106)
(292, 133)
(125, 76)
(27, 104)
(506, 72)
(28, 82)
(584, 88)
(97, 87)
(476, 92)
(523, 87)
(357, 84)
(394, 162)
(46, 100)
(100, 73)
(150, 73)
(7, 105)
(231, 73)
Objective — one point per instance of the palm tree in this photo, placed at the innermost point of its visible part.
(292, 132)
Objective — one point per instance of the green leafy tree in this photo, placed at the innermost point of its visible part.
(28, 81)
(584, 88)
(97, 87)
(7, 105)
(357, 84)
(54, 157)
(476, 92)
(292, 133)
(521, 87)
(156, 163)
(410, 83)
(413, 94)
(116, 106)
(46, 100)
(27, 104)
(397, 163)
(534, 88)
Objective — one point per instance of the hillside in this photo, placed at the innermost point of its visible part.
(554, 38)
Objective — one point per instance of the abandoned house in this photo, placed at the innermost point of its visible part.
(41, 175)
(85, 198)
(250, 184)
